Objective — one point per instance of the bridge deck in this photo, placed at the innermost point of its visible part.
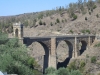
(66, 36)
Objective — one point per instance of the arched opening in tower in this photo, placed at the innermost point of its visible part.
(16, 33)
(40, 52)
(64, 53)
(83, 46)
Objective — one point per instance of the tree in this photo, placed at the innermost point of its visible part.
(70, 10)
(80, 5)
(26, 23)
(90, 5)
(98, 1)
(14, 57)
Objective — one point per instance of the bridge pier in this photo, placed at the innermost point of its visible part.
(52, 55)
(89, 42)
(75, 48)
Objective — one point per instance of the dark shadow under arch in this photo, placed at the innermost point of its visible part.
(66, 61)
(83, 47)
(29, 41)
(16, 32)
(46, 56)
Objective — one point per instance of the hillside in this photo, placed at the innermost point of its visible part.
(58, 21)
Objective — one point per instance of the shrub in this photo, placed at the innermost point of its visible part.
(57, 20)
(85, 18)
(51, 24)
(88, 31)
(50, 70)
(44, 23)
(83, 31)
(75, 72)
(72, 66)
(93, 59)
(40, 22)
(94, 6)
(97, 16)
(74, 17)
(31, 62)
(71, 31)
(89, 13)
(97, 45)
(82, 64)
(87, 56)
(62, 71)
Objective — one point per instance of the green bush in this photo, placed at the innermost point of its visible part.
(51, 24)
(72, 66)
(93, 59)
(91, 10)
(94, 6)
(88, 31)
(75, 72)
(71, 31)
(3, 38)
(74, 17)
(82, 64)
(97, 16)
(87, 56)
(50, 70)
(62, 71)
(57, 20)
(40, 22)
(97, 45)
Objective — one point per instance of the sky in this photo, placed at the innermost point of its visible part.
(15, 7)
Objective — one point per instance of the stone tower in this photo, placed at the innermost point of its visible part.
(18, 30)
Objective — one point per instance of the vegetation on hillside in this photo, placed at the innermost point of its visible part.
(14, 58)
(61, 71)
(31, 19)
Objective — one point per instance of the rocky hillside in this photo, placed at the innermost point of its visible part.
(80, 17)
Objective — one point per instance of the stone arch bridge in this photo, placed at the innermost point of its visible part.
(50, 45)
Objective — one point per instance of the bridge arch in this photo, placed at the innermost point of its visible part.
(44, 51)
(82, 46)
(16, 32)
(68, 50)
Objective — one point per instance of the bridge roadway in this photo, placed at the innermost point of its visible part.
(63, 36)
